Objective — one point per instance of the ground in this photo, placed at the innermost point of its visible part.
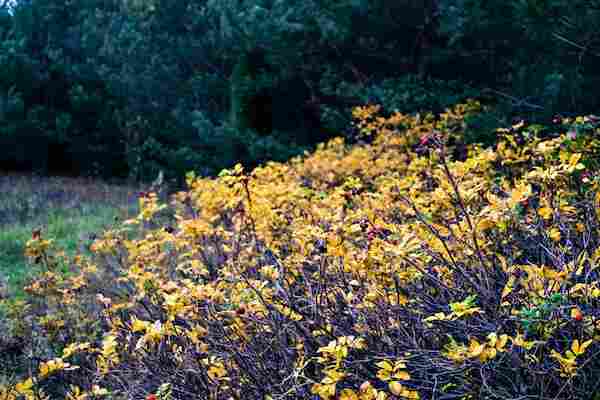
(70, 210)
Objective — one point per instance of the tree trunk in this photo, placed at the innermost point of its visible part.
(238, 112)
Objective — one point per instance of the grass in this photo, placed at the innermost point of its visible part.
(69, 210)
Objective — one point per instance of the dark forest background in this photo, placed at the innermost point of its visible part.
(127, 88)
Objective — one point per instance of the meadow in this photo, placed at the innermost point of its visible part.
(71, 210)
(410, 266)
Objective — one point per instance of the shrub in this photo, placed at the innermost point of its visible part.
(385, 271)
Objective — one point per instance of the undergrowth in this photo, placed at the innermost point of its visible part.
(411, 267)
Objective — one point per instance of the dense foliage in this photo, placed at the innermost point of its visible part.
(406, 267)
(130, 87)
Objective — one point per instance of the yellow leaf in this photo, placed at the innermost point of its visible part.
(396, 388)
(24, 387)
(403, 375)
(476, 348)
(554, 234)
(520, 193)
(348, 394)
(502, 340)
(578, 349)
(509, 287)
(386, 365)
(545, 212)
(485, 224)
(574, 160)
(138, 325)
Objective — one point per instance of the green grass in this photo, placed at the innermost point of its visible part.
(70, 230)
(67, 210)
